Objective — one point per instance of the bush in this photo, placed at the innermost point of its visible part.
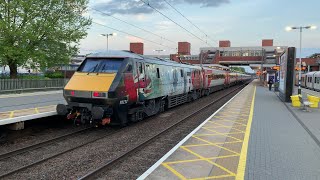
(53, 75)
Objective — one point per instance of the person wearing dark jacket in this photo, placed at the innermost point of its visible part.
(270, 82)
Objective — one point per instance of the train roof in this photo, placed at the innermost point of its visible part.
(129, 54)
(311, 73)
(115, 54)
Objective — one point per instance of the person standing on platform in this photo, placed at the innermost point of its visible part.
(270, 82)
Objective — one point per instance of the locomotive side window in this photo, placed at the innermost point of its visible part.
(158, 73)
(181, 72)
(140, 68)
(129, 68)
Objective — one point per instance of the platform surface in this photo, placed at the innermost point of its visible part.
(254, 136)
(21, 107)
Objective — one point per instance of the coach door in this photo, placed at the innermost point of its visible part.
(141, 80)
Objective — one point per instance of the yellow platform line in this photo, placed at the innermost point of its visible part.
(7, 112)
(233, 121)
(217, 145)
(226, 126)
(174, 171)
(222, 134)
(209, 161)
(244, 149)
(204, 159)
(214, 177)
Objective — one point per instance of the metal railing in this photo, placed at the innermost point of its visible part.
(31, 84)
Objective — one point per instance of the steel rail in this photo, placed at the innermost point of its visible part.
(55, 155)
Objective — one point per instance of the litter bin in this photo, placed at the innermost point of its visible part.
(314, 100)
(295, 101)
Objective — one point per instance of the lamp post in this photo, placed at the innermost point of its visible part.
(107, 35)
(300, 29)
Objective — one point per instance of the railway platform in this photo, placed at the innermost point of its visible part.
(253, 136)
(17, 108)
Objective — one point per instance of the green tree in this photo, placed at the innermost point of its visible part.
(40, 32)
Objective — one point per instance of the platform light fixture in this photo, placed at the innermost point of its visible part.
(107, 35)
(289, 28)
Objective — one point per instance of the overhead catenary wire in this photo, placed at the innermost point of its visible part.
(189, 20)
(106, 14)
(148, 4)
(124, 32)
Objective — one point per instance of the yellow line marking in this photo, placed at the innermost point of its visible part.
(174, 171)
(244, 149)
(214, 177)
(217, 145)
(219, 133)
(230, 127)
(233, 122)
(37, 111)
(28, 109)
(223, 134)
(215, 164)
(218, 126)
(11, 114)
(204, 159)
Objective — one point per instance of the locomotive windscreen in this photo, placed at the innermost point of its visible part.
(101, 65)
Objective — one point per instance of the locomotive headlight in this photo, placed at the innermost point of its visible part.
(69, 92)
(96, 94)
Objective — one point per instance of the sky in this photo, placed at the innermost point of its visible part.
(243, 22)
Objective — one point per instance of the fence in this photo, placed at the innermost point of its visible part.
(30, 84)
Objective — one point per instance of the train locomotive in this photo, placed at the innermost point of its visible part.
(118, 87)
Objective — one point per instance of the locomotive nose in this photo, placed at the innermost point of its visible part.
(90, 82)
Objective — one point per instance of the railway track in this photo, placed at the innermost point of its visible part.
(41, 144)
(94, 174)
(13, 154)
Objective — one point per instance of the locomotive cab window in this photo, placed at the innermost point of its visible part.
(101, 65)
(129, 68)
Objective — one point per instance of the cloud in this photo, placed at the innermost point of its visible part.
(138, 7)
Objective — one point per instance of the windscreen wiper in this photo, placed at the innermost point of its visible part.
(94, 68)
(101, 69)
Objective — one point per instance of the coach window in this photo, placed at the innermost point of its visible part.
(158, 73)
(140, 68)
